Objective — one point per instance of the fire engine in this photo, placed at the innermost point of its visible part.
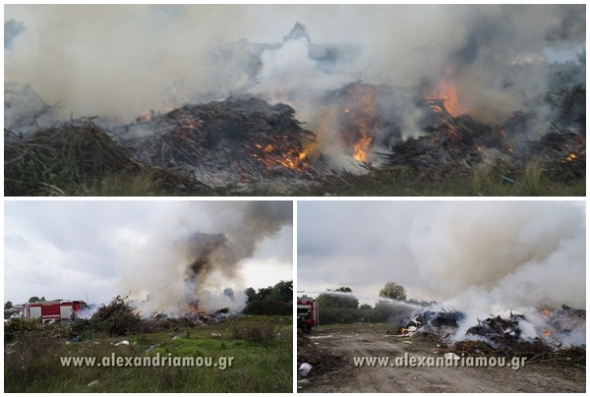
(308, 314)
(52, 311)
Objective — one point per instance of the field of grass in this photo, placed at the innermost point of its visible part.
(261, 347)
(536, 179)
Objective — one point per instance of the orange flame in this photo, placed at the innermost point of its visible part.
(546, 333)
(273, 155)
(360, 149)
(446, 92)
(571, 157)
(359, 116)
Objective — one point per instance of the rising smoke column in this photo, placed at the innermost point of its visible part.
(492, 258)
(196, 252)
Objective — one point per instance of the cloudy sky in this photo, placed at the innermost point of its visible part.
(79, 249)
(495, 253)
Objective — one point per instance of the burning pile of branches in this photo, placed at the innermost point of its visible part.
(242, 141)
(459, 144)
(237, 140)
(504, 336)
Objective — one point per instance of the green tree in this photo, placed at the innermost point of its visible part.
(251, 294)
(8, 305)
(263, 293)
(282, 291)
(34, 299)
(365, 306)
(393, 291)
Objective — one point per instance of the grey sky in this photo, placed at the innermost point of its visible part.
(439, 250)
(74, 249)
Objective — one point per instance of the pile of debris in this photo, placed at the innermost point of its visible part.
(245, 142)
(564, 330)
(459, 144)
(193, 318)
(315, 361)
(225, 143)
(65, 160)
(498, 332)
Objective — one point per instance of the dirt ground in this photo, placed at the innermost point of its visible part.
(330, 350)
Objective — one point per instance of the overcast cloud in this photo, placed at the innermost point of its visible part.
(71, 250)
(503, 253)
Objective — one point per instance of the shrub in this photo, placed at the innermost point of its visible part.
(21, 326)
(269, 308)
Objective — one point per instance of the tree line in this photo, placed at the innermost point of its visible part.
(272, 300)
(341, 306)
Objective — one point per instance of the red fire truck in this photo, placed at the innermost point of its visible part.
(52, 311)
(308, 314)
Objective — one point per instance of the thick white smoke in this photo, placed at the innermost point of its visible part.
(195, 254)
(120, 61)
(492, 258)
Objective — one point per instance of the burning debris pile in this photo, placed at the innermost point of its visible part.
(195, 317)
(233, 141)
(460, 144)
(509, 335)
(463, 110)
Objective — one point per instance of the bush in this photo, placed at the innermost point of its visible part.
(340, 315)
(21, 326)
(382, 312)
(269, 308)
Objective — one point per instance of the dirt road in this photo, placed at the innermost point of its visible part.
(333, 349)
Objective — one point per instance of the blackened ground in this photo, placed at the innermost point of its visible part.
(332, 349)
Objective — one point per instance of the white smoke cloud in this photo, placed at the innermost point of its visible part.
(160, 273)
(121, 60)
(486, 258)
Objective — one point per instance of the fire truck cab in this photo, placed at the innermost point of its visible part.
(308, 314)
(52, 311)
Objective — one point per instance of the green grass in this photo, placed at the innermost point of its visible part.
(33, 365)
(496, 180)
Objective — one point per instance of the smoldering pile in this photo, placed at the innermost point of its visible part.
(513, 334)
(352, 122)
(235, 141)
(244, 141)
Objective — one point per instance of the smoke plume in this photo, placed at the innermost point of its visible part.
(494, 258)
(189, 260)
(510, 253)
(124, 60)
